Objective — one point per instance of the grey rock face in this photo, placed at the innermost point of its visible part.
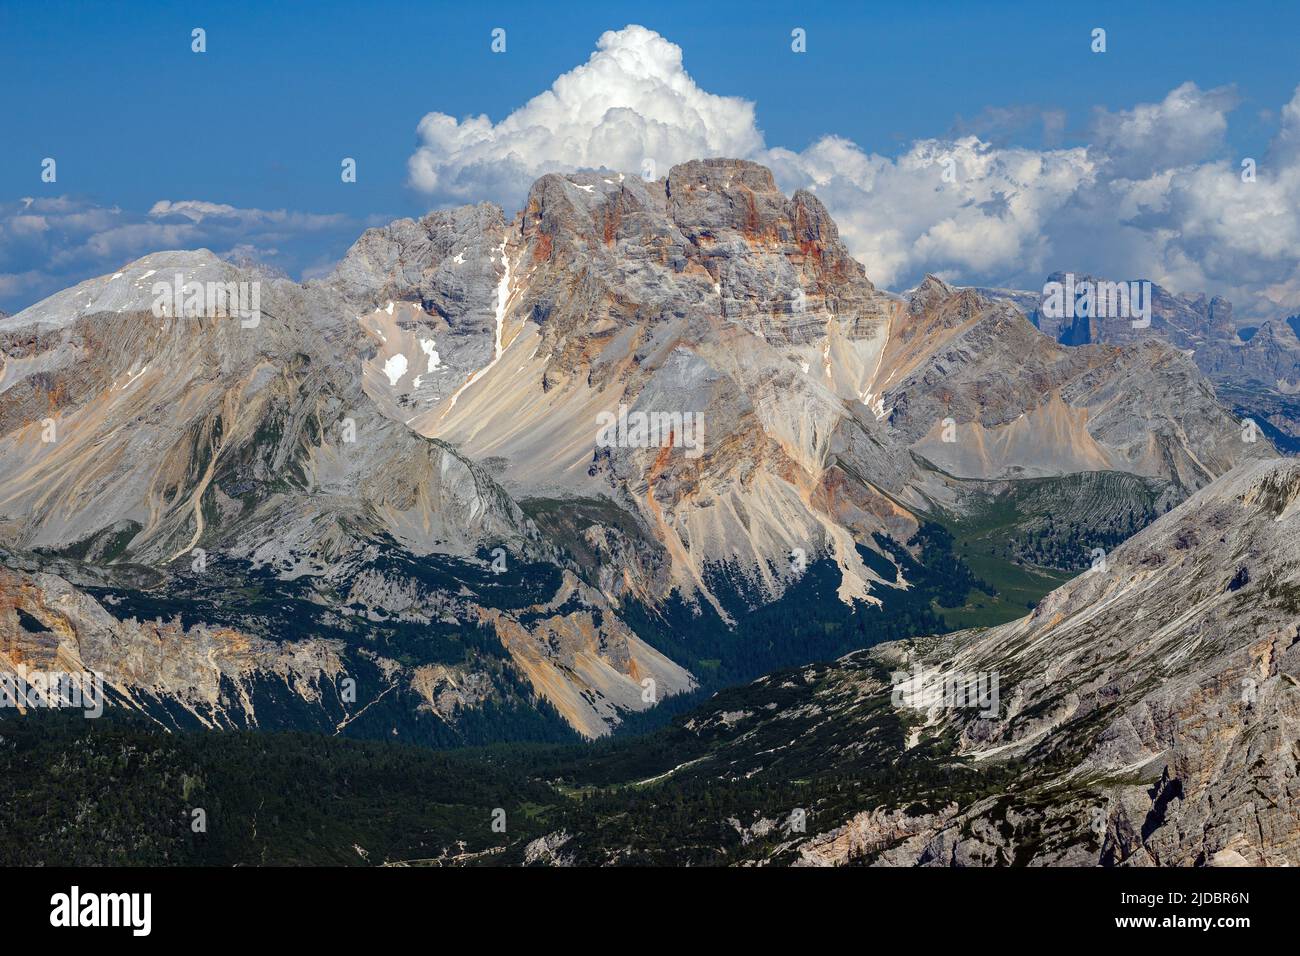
(1154, 701)
(203, 430)
(709, 293)
(1023, 406)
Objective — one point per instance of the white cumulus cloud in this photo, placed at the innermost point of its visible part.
(631, 101)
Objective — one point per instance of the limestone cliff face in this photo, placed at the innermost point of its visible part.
(824, 402)
(200, 431)
(1143, 408)
(183, 674)
(143, 440)
(208, 673)
(588, 667)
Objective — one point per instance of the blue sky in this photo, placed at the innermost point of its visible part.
(262, 119)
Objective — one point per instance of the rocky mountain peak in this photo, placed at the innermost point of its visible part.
(720, 174)
(413, 259)
(928, 294)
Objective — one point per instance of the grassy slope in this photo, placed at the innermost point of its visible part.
(1035, 534)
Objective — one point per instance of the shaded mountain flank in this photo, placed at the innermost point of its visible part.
(1146, 713)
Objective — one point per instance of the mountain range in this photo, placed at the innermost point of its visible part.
(1255, 368)
(549, 477)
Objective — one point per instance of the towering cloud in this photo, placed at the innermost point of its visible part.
(631, 101)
